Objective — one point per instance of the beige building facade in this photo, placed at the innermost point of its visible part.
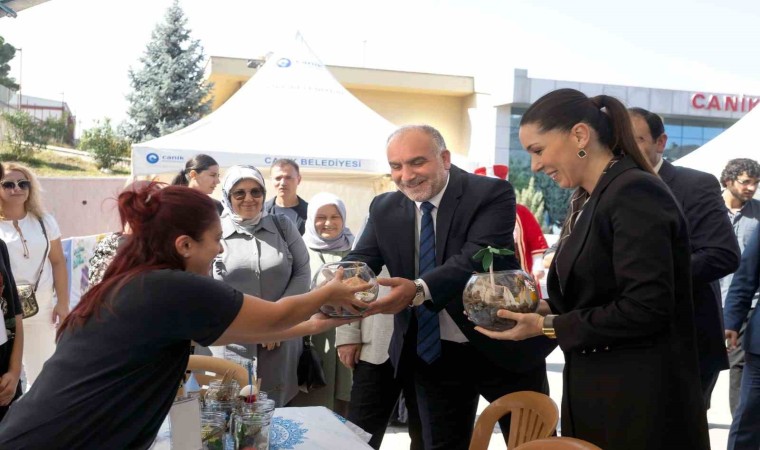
(450, 103)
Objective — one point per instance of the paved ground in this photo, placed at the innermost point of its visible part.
(719, 417)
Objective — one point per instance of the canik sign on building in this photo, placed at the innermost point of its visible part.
(735, 103)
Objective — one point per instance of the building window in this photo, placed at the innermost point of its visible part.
(686, 135)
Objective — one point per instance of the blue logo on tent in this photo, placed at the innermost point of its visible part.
(152, 158)
(283, 62)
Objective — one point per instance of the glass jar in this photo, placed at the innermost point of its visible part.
(223, 392)
(251, 431)
(485, 294)
(354, 273)
(213, 429)
(260, 406)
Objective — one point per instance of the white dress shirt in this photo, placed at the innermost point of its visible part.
(449, 329)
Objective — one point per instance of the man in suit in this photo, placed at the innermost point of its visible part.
(426, 234)
(714, 250)
(745, 430)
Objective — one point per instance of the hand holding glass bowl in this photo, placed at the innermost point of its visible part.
(486, 293)
(354, 275)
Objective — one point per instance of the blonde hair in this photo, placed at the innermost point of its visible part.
(33, 203)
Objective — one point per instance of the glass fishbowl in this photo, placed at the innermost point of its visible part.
(354, 273)
(513, 290)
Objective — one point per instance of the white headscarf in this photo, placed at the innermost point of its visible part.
(231, 177)
(316, 242)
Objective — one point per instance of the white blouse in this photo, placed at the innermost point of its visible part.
(25, 269)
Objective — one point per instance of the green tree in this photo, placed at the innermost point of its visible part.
(7, 53)
(533, 199)
(556, 199)
(168, 91)
(104, 143)
(25, 134)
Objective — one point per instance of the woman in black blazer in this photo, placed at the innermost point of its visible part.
(619, 285)
(10, 351)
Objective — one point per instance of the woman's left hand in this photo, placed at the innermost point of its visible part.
(528, 326)
(8, 386)
(60, 312)
(320, 323)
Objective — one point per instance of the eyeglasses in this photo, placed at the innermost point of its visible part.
(746, 182)
(240, 194)
(21, 184)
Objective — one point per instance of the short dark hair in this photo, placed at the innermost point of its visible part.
(279, 162)
(654, 121)
(738, 166)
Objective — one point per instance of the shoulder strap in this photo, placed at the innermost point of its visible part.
(276, 220)
(44, 255)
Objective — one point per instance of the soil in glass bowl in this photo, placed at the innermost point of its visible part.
(354, 274)
(514, 291)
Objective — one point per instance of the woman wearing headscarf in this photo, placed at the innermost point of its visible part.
(328, 240)
(264, 255)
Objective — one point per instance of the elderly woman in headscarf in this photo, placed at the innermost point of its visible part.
(328, 240)
(264, 255)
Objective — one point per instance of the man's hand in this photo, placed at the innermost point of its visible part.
(732, 340)
(8, 386)
(349, 354)
(401, 295)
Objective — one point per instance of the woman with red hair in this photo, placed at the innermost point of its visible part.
(123, 350)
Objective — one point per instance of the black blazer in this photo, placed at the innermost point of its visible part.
(621, 283)
(474, 212)
(714, 254)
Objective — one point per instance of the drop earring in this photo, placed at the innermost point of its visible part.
(582, 153)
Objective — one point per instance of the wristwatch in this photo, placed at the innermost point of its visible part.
(419, 294)
(548, 327)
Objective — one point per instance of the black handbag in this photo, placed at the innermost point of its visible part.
(311, 374)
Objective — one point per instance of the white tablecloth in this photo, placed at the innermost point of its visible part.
(312, 428)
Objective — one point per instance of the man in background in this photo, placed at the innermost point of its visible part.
(714, 251)
(286, 177)
(739, 179)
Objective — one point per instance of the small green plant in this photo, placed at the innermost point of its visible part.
(105, 145)
(486, 255)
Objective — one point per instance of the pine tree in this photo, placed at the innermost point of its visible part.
(168, 92)
(533, 199)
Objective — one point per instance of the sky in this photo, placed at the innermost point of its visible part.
(80, 51)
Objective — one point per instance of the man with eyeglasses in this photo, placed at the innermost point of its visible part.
(740, 179)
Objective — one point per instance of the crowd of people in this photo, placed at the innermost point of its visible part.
(651, 288)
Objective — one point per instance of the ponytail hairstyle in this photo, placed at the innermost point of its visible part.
(199, 163)
(562, 109)
(157, 217)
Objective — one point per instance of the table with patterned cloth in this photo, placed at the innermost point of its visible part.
(312, 428)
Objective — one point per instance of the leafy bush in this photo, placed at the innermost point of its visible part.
(105, 144)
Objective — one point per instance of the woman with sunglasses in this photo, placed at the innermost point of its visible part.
(265, 256)
(36, 253)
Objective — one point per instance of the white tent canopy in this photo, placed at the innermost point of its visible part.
(291, 108)
(741, 140)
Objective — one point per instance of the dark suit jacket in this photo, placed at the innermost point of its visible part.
(474, 212)
(301, 208)
(739, 299)
(714, 254)
(621, 283)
